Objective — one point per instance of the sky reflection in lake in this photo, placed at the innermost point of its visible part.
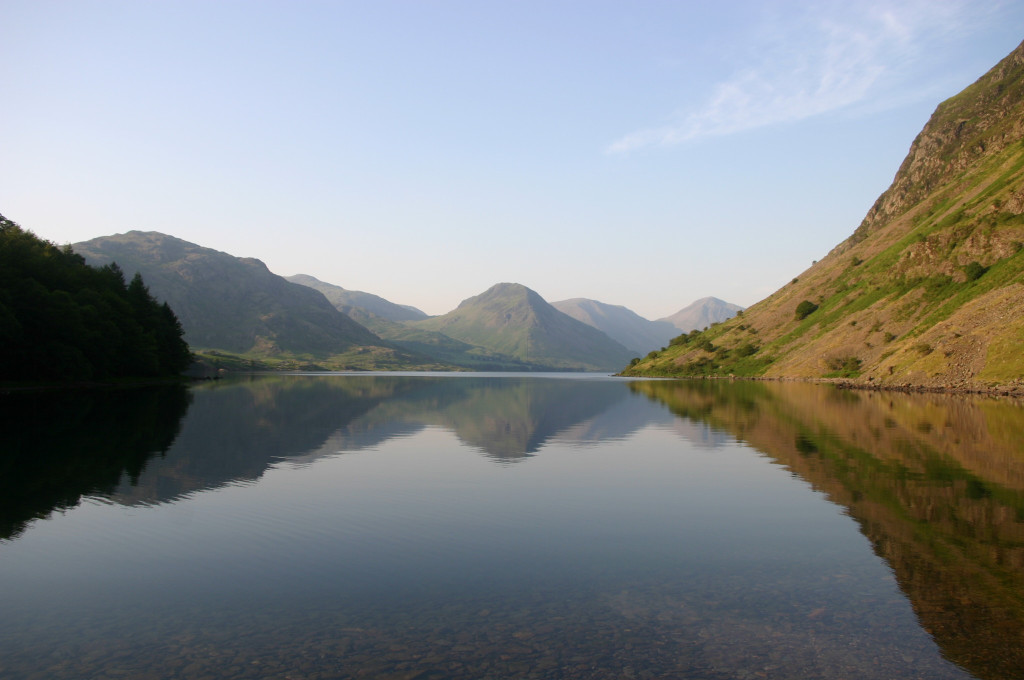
(384, 526)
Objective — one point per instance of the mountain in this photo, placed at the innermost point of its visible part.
(387, 320)
(619, 323)
(701, 314)
(927, 291)
(356, 303)
(236, 304)
(513, 320)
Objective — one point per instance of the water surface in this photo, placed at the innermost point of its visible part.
(341, 526)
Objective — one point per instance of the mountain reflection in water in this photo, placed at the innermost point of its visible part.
(934, 482)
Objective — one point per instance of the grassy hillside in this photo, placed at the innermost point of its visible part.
(512, 320)
(928, 291)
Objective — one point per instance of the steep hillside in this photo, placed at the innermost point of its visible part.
(928, 291)
(701, 314)
(515, 321)
(356, 302)
(619, 323)
(236, 304)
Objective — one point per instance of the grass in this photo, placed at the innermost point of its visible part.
(356, 359)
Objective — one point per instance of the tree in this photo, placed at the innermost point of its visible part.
(64, 320)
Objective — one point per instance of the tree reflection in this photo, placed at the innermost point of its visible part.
(60, 446)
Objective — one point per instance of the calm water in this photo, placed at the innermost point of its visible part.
(409, 526)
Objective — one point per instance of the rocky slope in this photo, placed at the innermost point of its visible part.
(928, 291)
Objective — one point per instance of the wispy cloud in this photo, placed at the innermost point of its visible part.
(824, 61)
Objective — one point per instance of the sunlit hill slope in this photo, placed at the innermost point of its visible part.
(515, 321)
(929, 289)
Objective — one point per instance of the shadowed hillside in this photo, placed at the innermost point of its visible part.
(239, 306)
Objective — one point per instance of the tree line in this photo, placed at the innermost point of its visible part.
(61, 319)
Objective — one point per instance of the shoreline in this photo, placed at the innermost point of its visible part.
(9, 388)
(1015, 391)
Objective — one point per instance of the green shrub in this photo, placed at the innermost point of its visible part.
(804, 309)
(974, 271)
(846, 366)
(746, 349)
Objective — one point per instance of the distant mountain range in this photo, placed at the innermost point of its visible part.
(235, 306)
(926, 292)
(620, 324)
(639, 334)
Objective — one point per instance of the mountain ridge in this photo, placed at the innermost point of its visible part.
(344, 299)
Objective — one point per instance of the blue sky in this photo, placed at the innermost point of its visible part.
(639, 153)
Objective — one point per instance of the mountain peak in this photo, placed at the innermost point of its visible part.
(516, 321)
(702, 313)
(506, 291)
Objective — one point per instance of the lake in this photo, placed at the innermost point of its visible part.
(510, 526)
